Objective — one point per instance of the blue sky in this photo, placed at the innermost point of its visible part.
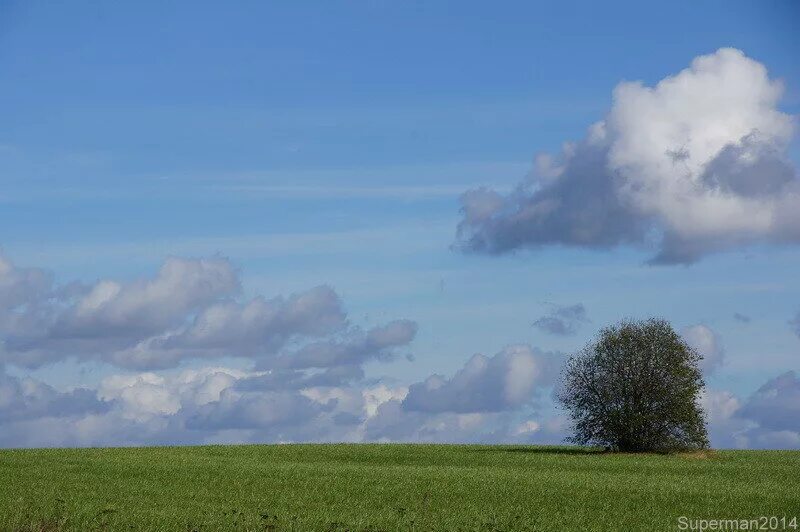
(329, 143)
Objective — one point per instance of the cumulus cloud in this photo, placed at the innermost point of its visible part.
(256, 328)
(708, 344)
(306, 382)
(146, 306)
(146, 395)
(505, 381)
(25, 399)
(50, 323)
(483, 402)
(223, 405)
(694, 165)
(563, 320)
(254, 411)
(725, 428)
(193, 406)
(190, 309)
(776, 404)
(769, 418)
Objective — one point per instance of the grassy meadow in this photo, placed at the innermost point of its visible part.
(387, 487)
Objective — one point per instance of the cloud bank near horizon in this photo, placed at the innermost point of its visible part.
(695, 165)
(305, 383)
(306, 378)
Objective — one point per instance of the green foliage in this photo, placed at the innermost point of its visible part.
(636, 389)
(386, 488)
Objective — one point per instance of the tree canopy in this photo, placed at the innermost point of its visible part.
(635, 388)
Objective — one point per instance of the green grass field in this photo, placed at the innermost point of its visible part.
(387, 487)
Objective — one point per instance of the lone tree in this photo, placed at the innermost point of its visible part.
(635, 389)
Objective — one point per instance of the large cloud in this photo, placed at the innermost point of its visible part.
(50, 323)
(484, 402)
(146, 306)
(307, 359)
(194, 406)
(505, 381)
(223, 405)
(189, 310)
(256, 328)
(698, 162)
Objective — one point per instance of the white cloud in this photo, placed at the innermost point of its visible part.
(505, 381)
(217, 404)
(708, 344)
(142, 395)
(145, 395)
(725, 429)
(256, 328)
(189, 310)
(769, 418)
(149, 305)
(376, 396)
(700, 159)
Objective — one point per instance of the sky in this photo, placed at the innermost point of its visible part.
(388, 221)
